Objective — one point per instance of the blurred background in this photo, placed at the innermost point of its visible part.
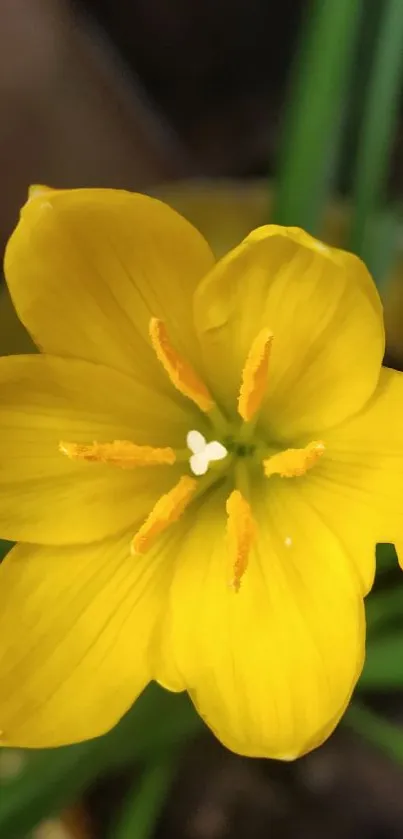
(236, 112)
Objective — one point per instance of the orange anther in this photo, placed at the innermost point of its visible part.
(292, 463)
(121, 453)
(241, 531)
(254, 375)
(166, 511)
(180, 372)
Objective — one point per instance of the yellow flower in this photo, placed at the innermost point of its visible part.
(197, 469)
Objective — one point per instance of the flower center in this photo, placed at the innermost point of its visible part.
(207, 460)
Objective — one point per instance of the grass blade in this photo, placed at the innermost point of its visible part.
(376, 730)
(314, 119)
(377, 129)
(145, 801)
(54, 778)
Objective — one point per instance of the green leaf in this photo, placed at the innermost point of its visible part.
(380, 242)
(13, 337)
(313, 123)
(54, 778)
(383, 669)
(368, 37)
(378, 129)
(144, 802)
(386, 558)
(383, 608)
(376, 730)
(4, 548)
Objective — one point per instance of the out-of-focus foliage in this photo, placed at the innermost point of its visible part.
(376, 138)
(51, 779)
(314, 118)
(13, 336)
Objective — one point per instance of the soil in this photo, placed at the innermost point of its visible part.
(343, 790)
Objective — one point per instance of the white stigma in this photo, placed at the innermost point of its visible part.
(203, 453)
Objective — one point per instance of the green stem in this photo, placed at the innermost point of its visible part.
(378, 126)
(314, 120)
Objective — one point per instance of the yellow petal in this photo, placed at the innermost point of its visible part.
(270, 669)
(323, 309)
(46, 497)
(88, 268)
(358, 487)
(76, 627)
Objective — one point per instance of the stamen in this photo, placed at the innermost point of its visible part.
(121, 453)
(166, 511)
(254, 375)
(180, 372)
(241, 531)
(292, 463)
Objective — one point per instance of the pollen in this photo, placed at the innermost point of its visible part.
(254, 375)
(168, 509)
(180, 372)
(241, 531)
(292, 463)
(121, 453)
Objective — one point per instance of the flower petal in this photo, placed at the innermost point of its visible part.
(272, 667)
(324, 312)
(76, 627)
(46, 497)
(88, 268)
(358, 486)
